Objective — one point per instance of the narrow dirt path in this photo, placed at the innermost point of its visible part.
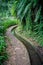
(18, 54)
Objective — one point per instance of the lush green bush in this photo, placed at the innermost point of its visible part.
(3, 54)
(7, 23)
(1, 30)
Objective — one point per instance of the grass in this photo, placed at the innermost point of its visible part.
(7, 23)
(29, 34)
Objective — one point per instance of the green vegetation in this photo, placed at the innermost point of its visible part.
(28, 14)
(7, 23)
(3, 53)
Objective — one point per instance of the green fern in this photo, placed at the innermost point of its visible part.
(37, 15)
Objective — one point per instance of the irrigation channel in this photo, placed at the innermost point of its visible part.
(26, 53)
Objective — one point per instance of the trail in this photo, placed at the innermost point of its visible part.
(18, 54)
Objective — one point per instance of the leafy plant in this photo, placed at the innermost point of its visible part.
(3, 54)
(30, 12)
(10, 22)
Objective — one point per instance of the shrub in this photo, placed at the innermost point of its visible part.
(3, 54)
(1, 30)
(7, 23)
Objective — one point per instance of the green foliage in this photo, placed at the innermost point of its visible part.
(3, 54)
(25, 10)
(30, 12)
(12, 9)
(28, 21)
(23, 7)
(1, 28)
(20, 9)
(7, 23)
(37, 15)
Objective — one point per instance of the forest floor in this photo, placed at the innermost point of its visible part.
(18, 54)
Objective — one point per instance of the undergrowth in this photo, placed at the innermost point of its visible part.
(29, 34)
(3, 53)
